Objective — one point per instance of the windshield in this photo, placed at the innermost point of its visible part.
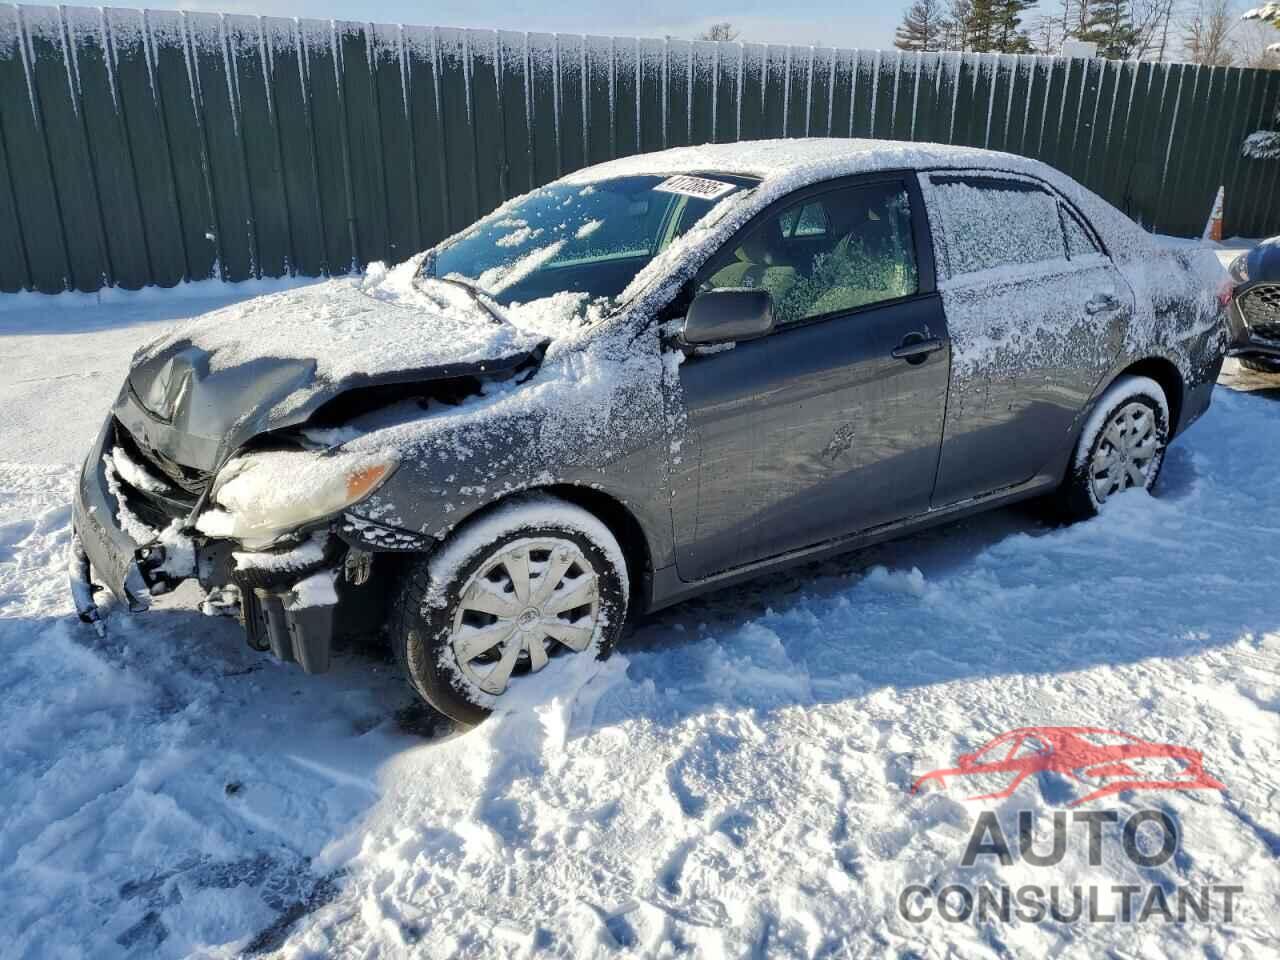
(587, 239)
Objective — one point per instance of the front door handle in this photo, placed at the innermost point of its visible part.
(1101, 303)
(915, 347)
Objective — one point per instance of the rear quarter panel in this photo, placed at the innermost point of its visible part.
(1175, 283)
(1177, 317)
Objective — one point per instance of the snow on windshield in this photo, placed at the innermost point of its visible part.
(570, 238)
(504, 275)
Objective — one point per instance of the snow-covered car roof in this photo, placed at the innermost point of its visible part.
(799, 162)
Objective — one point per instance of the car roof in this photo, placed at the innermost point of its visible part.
(803, 161)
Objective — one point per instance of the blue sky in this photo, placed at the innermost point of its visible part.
(825, 22)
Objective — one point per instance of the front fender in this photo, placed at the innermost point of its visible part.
(587, 419)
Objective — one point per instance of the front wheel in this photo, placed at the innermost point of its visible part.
(1121, 446)
(535, 579)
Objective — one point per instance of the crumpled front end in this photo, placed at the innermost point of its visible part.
(135, 531)
(104, 538)
(223, 461)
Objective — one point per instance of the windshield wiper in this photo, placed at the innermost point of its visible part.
(478, 296)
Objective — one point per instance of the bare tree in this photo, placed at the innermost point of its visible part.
(1047, 34)
(720, 31)
(1078, 13)
(1152, 21)
(1064, 17)
(1207, 27)
(955, 28)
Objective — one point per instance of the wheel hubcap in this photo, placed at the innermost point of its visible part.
(524, 603)
(1128, 452)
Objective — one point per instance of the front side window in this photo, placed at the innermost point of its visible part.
(576, 238)
(989, 223)
(839, 251)
(809, 220)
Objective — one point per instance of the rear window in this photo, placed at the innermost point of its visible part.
(989, 222)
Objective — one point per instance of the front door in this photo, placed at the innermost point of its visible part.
(831, 424)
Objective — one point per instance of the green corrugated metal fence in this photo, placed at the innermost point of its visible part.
(141, 147)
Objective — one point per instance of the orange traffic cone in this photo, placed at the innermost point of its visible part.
(1213, 229)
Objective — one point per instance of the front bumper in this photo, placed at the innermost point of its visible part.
(99, 540)
(112, 546)
(1255, 321)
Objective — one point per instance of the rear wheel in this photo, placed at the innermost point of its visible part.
(535, 579)
(1121, 446)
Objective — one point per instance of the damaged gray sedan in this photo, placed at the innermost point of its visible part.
(648, 379)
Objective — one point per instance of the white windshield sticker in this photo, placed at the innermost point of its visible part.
(695, 187)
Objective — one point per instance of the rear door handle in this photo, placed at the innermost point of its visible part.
(915, 348)
(1101, 302)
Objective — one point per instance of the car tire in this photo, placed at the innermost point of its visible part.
(460, 627)
(1258, 365)
(1122, 445)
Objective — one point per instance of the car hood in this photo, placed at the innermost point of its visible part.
(205, 388)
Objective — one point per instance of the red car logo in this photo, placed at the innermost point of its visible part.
(1109, 760)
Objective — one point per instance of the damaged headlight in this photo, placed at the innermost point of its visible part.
(261, 496)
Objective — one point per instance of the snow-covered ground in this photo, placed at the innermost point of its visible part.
(734, 782)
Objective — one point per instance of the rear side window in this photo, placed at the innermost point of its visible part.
(1079, 241)
(989, 222)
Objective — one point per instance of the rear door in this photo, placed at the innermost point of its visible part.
(819, 429)
(1036, 312)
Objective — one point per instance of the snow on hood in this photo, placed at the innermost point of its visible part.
(381, 323)
(274, 359)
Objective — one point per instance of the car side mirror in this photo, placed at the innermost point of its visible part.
(731, 314)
